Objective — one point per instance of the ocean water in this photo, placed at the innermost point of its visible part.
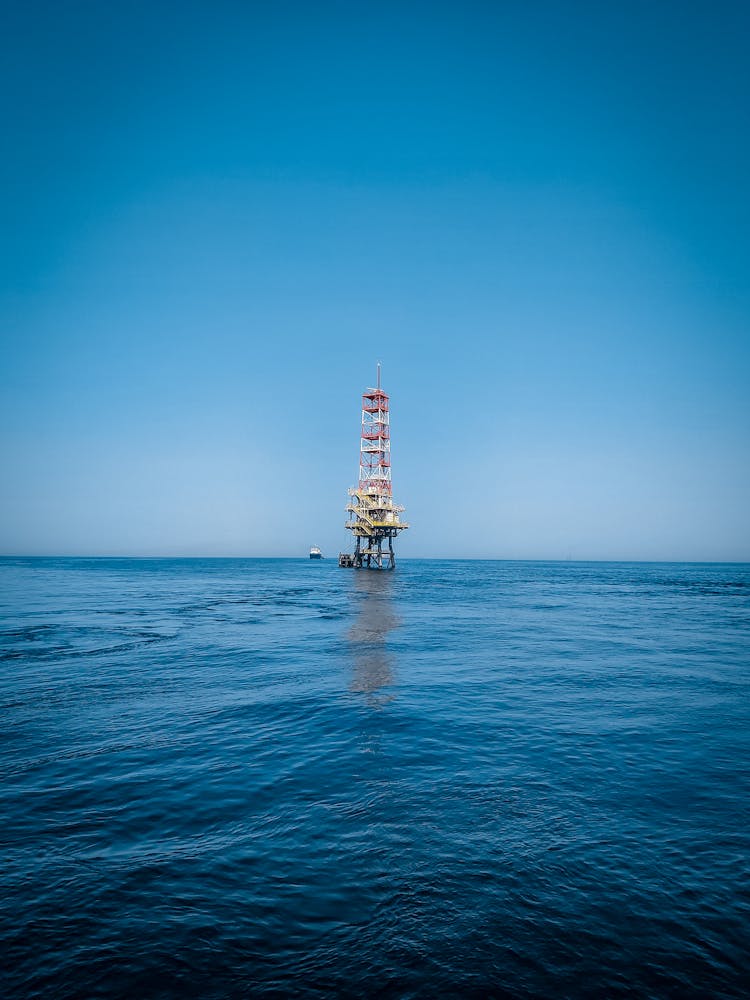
(278, 778)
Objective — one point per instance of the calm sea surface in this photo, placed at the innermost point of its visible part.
(275, 778)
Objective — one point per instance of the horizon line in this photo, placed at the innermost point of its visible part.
(555, 559)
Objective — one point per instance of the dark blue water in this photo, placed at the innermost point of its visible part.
(275, 778)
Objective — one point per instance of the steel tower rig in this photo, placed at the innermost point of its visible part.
(373, 516)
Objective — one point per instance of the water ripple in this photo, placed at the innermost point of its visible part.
(274, 778)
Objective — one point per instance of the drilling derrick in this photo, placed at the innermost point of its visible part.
(373, 516)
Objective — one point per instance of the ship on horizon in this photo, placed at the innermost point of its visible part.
(315, 552)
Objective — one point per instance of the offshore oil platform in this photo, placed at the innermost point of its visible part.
(373, 516)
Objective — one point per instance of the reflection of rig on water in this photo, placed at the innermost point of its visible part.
(373, 516)
(373, 665)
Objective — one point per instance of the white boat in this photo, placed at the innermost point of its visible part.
(315, 552)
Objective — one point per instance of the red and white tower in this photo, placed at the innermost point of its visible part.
(373, 516)
(375, 444)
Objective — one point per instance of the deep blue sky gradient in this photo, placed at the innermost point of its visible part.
(217, 217)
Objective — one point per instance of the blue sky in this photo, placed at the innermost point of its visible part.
(216, 218)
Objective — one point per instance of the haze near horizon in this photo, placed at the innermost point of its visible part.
(217, 220)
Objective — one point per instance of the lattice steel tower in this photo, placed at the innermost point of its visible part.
(373, 516)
